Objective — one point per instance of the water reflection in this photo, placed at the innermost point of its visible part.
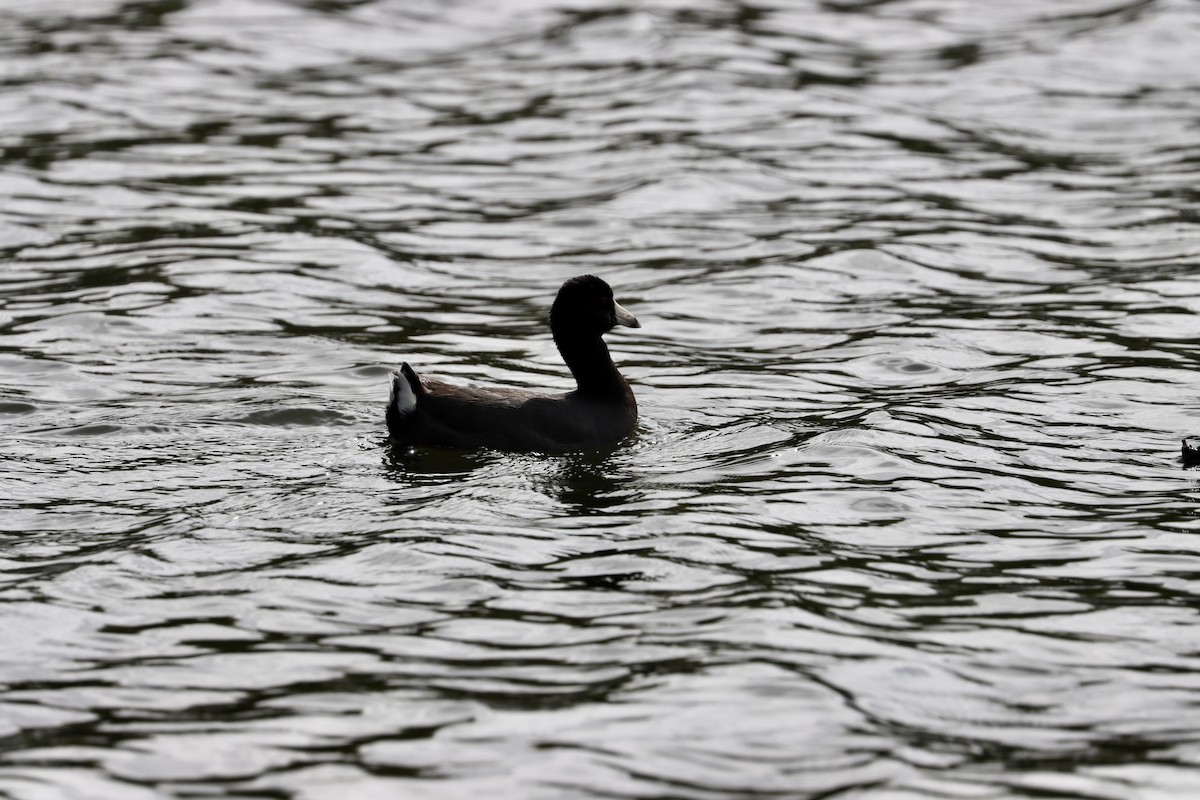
(576, 484)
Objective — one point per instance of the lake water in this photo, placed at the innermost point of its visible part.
(903, 518)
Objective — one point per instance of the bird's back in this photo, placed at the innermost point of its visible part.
(437, 414)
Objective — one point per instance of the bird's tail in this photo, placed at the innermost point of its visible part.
(406, 389)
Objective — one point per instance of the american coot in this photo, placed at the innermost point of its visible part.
(599, 412)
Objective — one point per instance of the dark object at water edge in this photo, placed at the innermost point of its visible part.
(1189, 455)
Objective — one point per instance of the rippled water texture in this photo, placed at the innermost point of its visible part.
(903, 517)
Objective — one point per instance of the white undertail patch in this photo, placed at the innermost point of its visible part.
(403, 400)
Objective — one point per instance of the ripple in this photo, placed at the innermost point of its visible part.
(903, 515)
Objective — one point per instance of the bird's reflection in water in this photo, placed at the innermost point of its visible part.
(581, 483)
(588, 483)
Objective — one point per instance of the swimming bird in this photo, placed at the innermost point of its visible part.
(599, 412)
(1189, 455)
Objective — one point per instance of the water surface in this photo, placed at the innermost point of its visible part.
(902, 517)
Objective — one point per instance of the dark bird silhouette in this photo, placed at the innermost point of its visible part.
(1189, 455)
(599, 412)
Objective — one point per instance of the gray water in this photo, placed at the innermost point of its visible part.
(903, 517)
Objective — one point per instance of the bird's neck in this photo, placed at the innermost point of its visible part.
(593, 368)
